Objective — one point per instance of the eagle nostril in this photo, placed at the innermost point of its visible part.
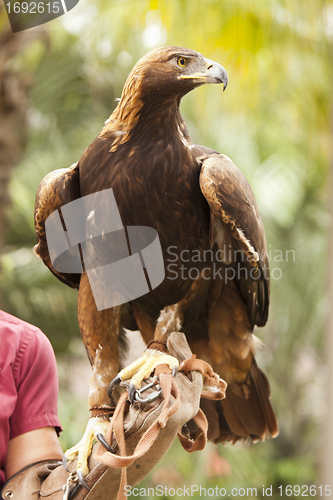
(210, 66)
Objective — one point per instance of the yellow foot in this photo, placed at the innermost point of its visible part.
(142, 368)
(96, 427)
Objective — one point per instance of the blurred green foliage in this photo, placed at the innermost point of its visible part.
(273, 121)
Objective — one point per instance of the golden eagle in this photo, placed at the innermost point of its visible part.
(216, 285)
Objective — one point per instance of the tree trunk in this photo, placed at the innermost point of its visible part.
(13, 108)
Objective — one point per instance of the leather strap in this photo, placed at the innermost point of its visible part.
(215, 386)
(200, 441)
(169, 387)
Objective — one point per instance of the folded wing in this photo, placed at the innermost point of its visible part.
(56, 189)
(237, 303)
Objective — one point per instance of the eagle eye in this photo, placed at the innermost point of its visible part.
(181, 61)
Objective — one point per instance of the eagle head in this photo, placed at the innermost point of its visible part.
(173, 72)
(158, 81)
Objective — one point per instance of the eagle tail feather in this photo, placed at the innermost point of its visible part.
(245, 413)
(249, 404)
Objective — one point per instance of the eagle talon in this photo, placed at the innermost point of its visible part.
(64, 463)
(102, 440)
(81, 480)
(141, 370)
(116, 381)
(96, 425)
(132, 393)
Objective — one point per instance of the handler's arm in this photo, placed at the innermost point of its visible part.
(31, 447)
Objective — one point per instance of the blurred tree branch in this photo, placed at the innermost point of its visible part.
(327, 434)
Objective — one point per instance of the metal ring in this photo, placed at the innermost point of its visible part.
(154, 395)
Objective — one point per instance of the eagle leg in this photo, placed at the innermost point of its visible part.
(104, 341)
(168, 322)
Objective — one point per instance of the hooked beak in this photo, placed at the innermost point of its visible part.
(215, 73)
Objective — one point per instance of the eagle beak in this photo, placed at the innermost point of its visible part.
(215, 73)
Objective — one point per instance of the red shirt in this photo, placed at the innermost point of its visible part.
(28, 382)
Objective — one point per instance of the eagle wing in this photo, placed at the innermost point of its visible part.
(56, 189)
(237, 303)
(234, 211)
